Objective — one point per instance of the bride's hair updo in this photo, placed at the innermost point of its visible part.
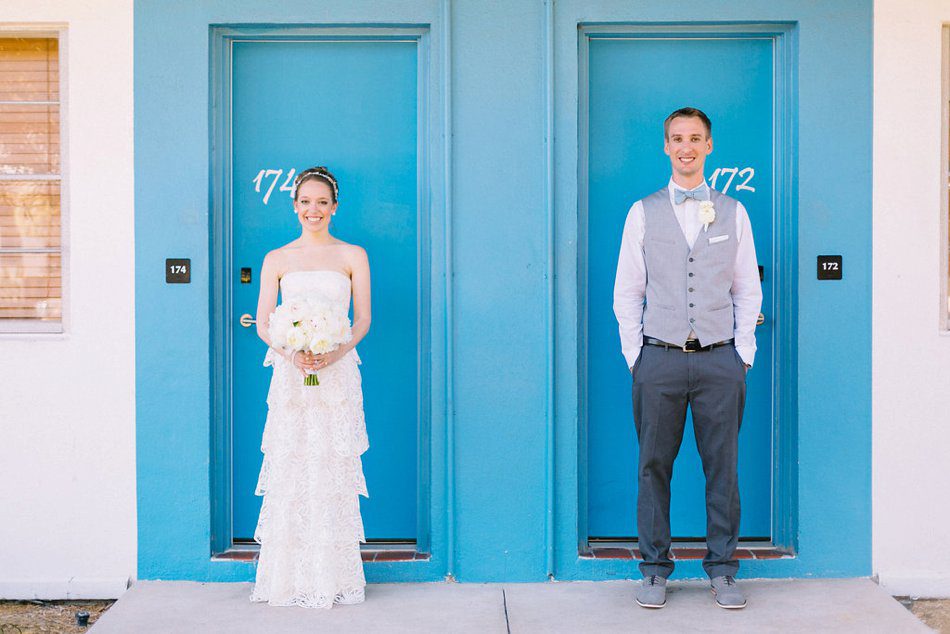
(317, 173)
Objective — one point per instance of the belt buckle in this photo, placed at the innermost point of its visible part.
(686, 347)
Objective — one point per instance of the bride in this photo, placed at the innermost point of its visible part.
(310, 527)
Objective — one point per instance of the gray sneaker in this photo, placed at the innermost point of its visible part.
(728, 594)
(652, 592)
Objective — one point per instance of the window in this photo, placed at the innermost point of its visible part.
(31, 252)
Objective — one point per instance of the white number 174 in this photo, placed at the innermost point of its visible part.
(267, 173)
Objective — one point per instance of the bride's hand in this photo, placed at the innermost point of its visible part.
(304, 361)
(321, 361)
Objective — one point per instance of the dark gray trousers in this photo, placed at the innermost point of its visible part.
(712, 384)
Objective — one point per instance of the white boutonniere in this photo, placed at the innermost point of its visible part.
(707, 213)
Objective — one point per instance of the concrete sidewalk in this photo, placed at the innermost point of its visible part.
(838, 605)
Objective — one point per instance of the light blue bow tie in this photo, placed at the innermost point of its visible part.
(680, 195)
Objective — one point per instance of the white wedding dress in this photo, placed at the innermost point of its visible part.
(310, 527)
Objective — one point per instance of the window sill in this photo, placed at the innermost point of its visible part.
(34, 336)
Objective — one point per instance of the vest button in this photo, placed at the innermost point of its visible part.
(691, 320)
(691, 275)
(691, 259)
(690, 290)
(690, 305)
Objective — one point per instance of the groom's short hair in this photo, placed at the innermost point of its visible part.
(687, 112)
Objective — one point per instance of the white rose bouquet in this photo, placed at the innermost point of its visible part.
(313, 326)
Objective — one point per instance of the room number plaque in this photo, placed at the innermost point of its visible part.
(178, 271)
(829, 267)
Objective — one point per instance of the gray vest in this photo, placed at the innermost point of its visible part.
(689, 289)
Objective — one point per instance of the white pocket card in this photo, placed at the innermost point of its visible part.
(718, 239)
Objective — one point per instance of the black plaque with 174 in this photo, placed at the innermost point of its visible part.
(178, 271)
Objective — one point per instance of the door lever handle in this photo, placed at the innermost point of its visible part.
(246, 320)
(758, 322)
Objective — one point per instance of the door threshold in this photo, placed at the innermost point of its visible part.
(373, 551)
(684, 550)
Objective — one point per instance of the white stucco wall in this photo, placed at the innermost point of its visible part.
(911, 403)
(67, 409)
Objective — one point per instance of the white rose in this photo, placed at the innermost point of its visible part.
(296, 338)
(295, 311)
(707, 212)
(320, 345)
(280, 324)
(306, 327)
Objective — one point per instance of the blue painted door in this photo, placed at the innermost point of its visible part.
(350, 105)
(634, 83)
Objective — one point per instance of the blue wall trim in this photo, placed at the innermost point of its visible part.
(503, 159)
(824, 546)
(221, 40)
(449, 466)
(183, 493)
(782, 312)
(550, 292)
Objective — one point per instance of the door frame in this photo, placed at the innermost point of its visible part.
(784, 262)
(430, 360)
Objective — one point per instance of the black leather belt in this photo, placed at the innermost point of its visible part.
(692, 345)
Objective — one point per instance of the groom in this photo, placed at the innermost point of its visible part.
(687, 296)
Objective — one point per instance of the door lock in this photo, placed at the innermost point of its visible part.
(246, 320)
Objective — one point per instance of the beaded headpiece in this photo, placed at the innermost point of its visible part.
(319, 172)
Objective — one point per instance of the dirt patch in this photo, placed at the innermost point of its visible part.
(935, 613)
(53, 617)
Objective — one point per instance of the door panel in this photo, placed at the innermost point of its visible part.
(634, 83)
(352, 106)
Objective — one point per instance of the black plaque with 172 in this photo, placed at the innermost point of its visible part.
(829, 267)
(178, 271)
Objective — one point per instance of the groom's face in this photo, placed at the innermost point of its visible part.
(687, 144)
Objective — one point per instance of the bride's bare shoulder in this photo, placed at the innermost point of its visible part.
(278, 258)
(354, 254)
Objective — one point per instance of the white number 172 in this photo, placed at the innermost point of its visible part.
(747, 172)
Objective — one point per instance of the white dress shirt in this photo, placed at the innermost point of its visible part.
(631, 282)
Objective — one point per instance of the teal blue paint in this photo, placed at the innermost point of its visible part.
(488, 441)
(785, 321)
(625, 122)
(835, 323)
(549, 304)
(448, 335)
(178, 473)
(281, 123)
(499, 290)
(831, 532)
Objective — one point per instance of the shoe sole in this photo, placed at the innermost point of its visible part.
(727, 607)
(650, 605)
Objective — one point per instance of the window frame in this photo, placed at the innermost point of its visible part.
(34, 328)
(944, 319)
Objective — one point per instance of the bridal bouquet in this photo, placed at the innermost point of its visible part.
(305, 325)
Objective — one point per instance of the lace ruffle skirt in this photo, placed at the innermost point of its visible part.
(311, 478)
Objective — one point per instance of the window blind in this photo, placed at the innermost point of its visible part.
(31, 286)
